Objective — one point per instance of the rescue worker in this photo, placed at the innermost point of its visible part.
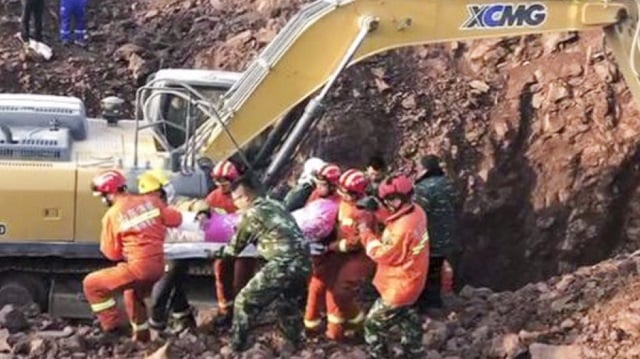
(73, 11)
(375, 171)
(231, 274)
(133, 233)
(350, 262)
(268, 225)
(299, 194)
(402, 258)
(32, 8)
(435, 194)
(323, 271)
(168, 294)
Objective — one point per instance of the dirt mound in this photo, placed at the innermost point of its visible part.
(537, 131)
(593, 312)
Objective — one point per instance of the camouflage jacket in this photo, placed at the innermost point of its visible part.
(272, 229)
(435, 195)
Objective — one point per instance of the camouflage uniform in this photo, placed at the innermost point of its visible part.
(435, 195)
(381, 318)
(282, 279)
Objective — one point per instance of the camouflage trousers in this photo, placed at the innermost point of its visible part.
(279, 282)
(382, 318)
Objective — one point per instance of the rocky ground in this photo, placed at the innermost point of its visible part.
(538, 132)
(591, 313)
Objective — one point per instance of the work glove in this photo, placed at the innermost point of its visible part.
(368, 203)
(318, 249)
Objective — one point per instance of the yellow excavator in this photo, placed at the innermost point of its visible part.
(50, 223)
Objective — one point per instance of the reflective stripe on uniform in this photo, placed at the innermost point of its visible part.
(154, 324)
(140, 327)
(424, 241)
(357, 319)
(311, 324)
(130, 223)
(347, 221)
(180, 315)
(334, 319)
(99, 307)
(373, 245)
(342, 245)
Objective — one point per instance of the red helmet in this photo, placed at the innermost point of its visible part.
(354, 181)
(329, 173)
(225, 170)
(108, 182)
(398, 184)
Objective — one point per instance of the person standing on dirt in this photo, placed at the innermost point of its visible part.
(401, 254)
(350, 263)
(32, 8)
(323, 270)
(73, 10)
(435, 194)
(168, 294)
(231, 274)
(273, 230)
(133, 234)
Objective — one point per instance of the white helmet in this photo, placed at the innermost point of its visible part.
(309, 169)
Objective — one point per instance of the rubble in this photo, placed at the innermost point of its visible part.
(589, 313)
(12, 319)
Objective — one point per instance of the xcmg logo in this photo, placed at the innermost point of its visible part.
(495, 16)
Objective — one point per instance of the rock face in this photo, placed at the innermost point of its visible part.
(538, 132)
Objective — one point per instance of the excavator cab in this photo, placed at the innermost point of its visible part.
(175, 105)
(171, 109)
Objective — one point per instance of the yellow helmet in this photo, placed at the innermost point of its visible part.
(152, 180)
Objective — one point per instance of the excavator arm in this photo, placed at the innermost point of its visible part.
(326, 36)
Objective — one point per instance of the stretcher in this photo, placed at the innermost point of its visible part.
(198, 240)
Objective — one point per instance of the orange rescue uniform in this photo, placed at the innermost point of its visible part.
(231, 274)
(402, 256)
(322, 277)
(352, 268)
(133, 231)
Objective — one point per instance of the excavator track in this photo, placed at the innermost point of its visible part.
(78, 266)
(55, 283)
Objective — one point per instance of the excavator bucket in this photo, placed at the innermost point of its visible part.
(623, 40)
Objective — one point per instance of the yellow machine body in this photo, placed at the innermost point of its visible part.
(52, 201)
(309, 57)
